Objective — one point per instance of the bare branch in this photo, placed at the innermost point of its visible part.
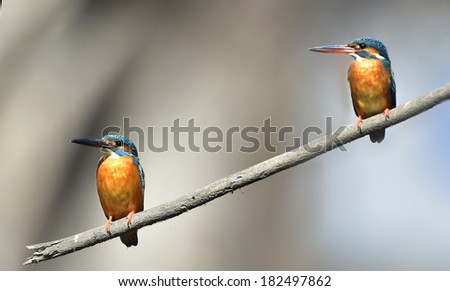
(53, 249)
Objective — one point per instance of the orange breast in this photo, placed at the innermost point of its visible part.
(119, 186)
(370, 86)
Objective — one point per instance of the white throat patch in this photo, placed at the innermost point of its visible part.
(110, 153)
(356, 57)
(359, 59)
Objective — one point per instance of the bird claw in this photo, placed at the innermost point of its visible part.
(108, 225)
(129, 217)
(359, 123)
(386, 113)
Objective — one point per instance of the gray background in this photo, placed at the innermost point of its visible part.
(68, 69)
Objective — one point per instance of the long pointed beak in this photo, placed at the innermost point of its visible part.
(97, 143)
(335, 49)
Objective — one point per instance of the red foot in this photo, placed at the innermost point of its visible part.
(108, 224)
(359, 122)
(386, 112)
(129, 216)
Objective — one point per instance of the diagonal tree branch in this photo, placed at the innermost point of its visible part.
(49, 250)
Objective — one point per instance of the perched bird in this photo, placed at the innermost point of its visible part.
(120, 181)
(371, 79)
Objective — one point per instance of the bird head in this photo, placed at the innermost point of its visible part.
(110, 144)
(361, 48)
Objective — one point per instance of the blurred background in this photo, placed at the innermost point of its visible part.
(68, 69)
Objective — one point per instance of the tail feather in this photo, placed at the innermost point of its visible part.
(129, 238)
(377, 136)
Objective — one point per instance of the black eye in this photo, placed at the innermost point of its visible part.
(362, 45)
(119, 143)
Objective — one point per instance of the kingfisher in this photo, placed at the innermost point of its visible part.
(371, 79)
(120, 181)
